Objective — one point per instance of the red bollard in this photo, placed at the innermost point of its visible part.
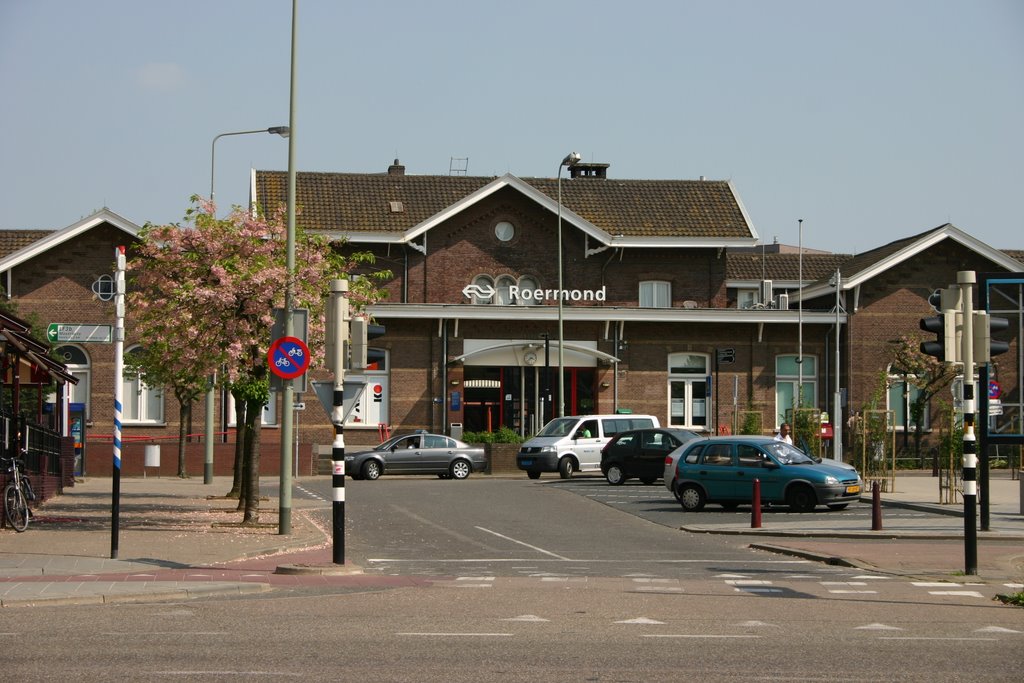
(876, 508)
(755, 511)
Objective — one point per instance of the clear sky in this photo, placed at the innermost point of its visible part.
(870, 120)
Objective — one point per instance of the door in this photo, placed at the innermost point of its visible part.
(750, 465)
(717, 472)
(654, 447)
(588, 443)
(406, 457)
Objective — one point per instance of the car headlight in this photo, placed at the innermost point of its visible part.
(548, 449)
(831, 481)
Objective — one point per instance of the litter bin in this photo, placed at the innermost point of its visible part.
(456, 430)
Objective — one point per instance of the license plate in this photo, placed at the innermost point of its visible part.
(853, 489)
(525, 463)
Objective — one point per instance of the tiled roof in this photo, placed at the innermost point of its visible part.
(15, 240)
(353, 202)
(751, 266)
(1017, 254)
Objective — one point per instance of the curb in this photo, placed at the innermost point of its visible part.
(319, 570)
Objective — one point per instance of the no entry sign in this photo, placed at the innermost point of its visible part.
(288, 357)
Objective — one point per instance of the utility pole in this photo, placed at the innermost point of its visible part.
(337, 333)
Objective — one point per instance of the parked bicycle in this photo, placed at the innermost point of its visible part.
(17, 494)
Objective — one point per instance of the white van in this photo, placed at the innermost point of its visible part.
(573, 443)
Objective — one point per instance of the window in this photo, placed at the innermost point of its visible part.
(655, 294)
(746, 298)
(719, 454)
(688, 390)
(527, 283)
(900, 398)
(267, 418)
(485, 286)
(788, 376)
(77, 363)
(503, 293)
(141, 403)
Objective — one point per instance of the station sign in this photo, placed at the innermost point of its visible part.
(78, 332)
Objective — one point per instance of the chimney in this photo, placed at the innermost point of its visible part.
(586, 169)
(396, 169)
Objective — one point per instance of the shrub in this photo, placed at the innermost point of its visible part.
(503, 435)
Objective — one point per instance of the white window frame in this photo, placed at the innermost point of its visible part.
(139, 400)
(747, 298)
(894, 398)
(655, 294)
(810, 385)
(696, 409)
(81, 392)
(483, 281)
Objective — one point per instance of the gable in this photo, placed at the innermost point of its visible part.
(28, 244)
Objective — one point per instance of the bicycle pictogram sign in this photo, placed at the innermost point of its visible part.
(288, 357)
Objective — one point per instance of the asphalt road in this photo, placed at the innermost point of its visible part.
(528, 581)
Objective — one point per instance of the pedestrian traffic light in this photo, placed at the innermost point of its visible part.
(947, 326)
(984, 326)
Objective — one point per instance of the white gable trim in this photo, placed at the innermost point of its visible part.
(948, 231)
(60, 236)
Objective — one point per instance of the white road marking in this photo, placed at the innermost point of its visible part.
(640, 620)
(996, 629)
(531, 547)
(525, 617)
(878, 627)
(459, 635)
(966, 594)
(682, 635)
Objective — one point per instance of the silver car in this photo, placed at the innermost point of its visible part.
(417, 453)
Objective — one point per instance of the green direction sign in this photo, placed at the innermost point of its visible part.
(75, 332)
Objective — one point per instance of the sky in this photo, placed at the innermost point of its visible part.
(868, 121)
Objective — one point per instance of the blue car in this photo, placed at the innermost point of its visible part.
(723, 469)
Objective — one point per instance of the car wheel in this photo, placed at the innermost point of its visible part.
(692, 498)
(615, 475)
(838, 506)
(371, 470)
(801, 498)
(533, 474)
(459, 469)
(565, 467)
(648, 480)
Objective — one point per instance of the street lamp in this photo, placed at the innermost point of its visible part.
(571, 159)
(800, 321)
(283, 131)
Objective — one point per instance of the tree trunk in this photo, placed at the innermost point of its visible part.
(236, 483)
(252, 463)
(186, 413)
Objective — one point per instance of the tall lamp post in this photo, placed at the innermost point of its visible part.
(800, 321)
(283, 131)
(571, 159)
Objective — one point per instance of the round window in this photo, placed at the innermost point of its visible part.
(504, 231)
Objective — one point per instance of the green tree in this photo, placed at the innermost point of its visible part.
(927, 374)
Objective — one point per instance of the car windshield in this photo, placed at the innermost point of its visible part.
(558, 427)
(786, 454)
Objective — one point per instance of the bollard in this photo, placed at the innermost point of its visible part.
(755, 510)
(876, 508)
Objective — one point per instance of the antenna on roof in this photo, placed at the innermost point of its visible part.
(458, 165)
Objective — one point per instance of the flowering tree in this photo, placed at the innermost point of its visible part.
(202, 299)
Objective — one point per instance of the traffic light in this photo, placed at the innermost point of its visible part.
(364, 357)
(947, 326)
(984, 326)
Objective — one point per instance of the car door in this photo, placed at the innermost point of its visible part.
(649, 461)
(753, 463)
(405, 456)
(436, 453)
(717, 472)
(588, 443)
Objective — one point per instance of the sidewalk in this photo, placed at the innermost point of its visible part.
(179, 539)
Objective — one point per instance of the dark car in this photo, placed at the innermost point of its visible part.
(723, 469)
(641, 453)
(419, 453)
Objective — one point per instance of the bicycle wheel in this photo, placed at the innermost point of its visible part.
(15, 507)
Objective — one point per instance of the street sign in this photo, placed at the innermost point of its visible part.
(288, 357)
(298, 406)
(77, 332)
(994, 390)
(995, 407)
(726, 356)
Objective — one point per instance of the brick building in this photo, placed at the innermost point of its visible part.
(672, 306)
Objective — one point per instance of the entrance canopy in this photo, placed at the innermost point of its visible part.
(530, 352)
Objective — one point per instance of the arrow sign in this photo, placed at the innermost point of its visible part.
(288, 357)
(77, 332)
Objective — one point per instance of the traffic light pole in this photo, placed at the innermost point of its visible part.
(966, 280)
(339, 320)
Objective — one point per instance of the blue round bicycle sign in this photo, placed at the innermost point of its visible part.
(288, 357)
